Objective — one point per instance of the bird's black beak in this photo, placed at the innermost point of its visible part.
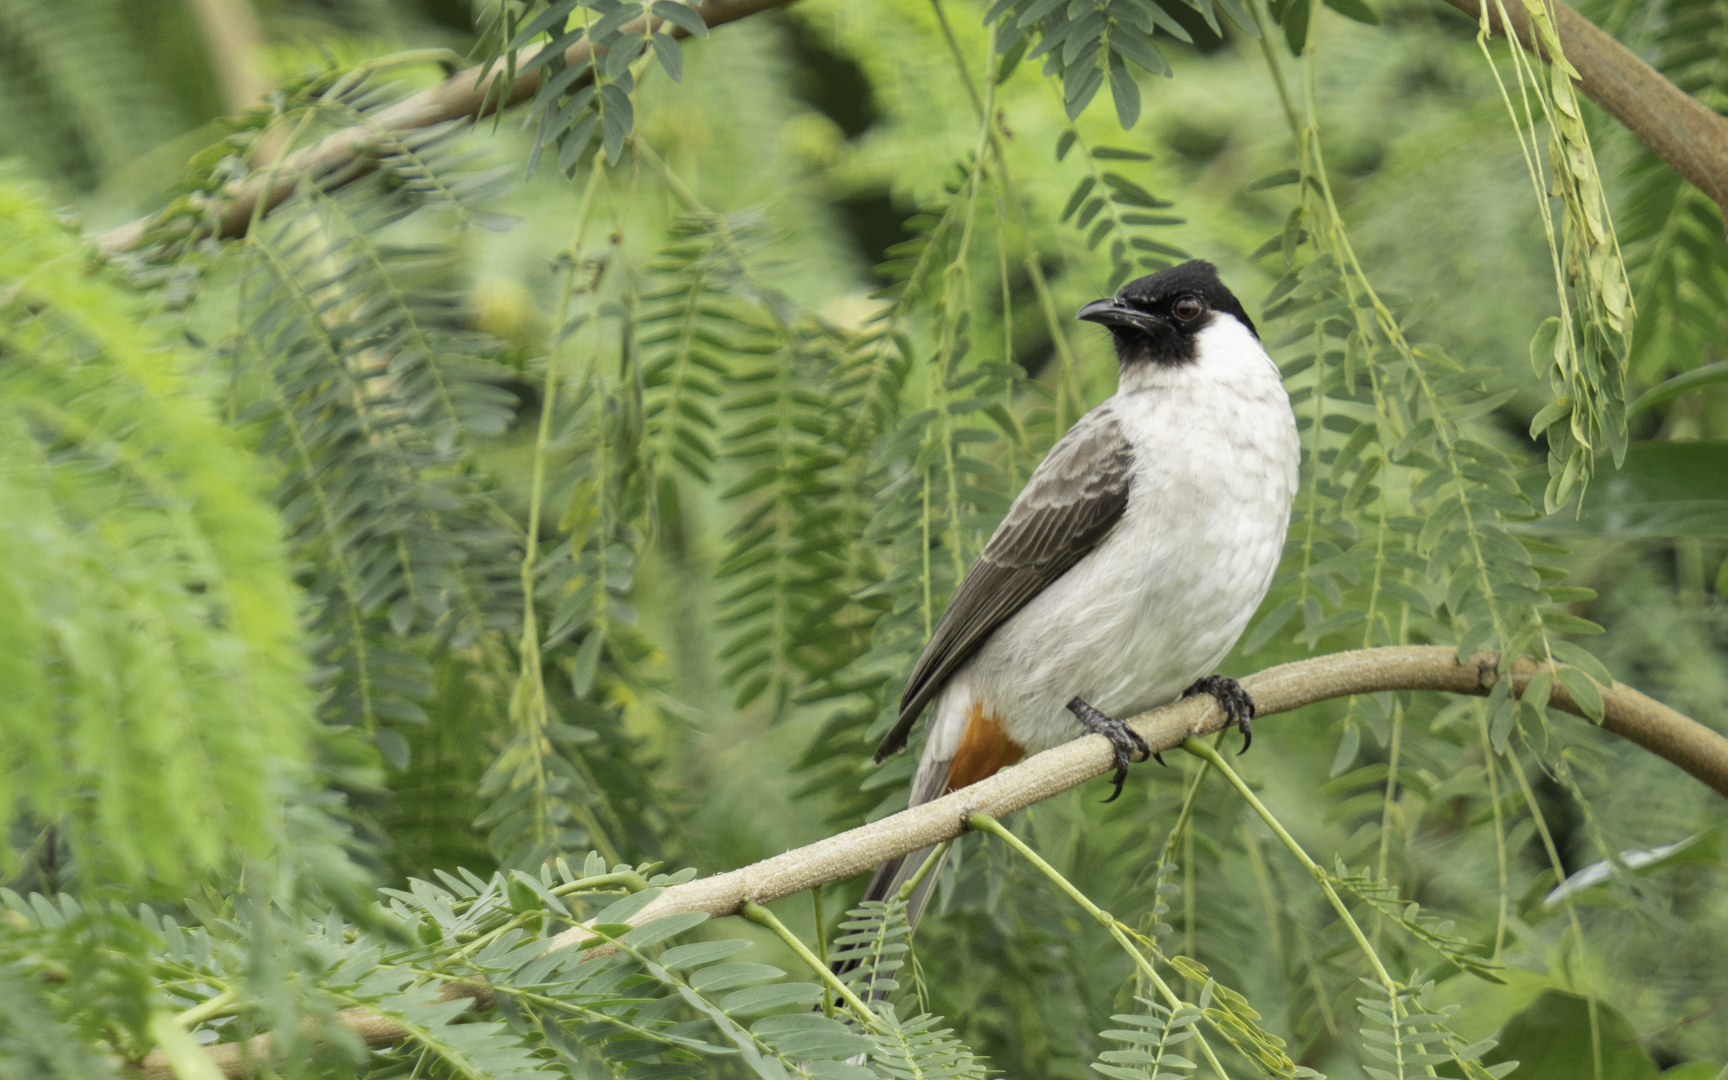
(1118, 316)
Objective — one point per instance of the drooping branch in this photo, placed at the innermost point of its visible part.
(1690, 745)
(1678, 128)
(346, 155)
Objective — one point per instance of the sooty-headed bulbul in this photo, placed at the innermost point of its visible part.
(1129, 564)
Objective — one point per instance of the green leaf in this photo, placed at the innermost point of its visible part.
(1481, 406)
(702, 952)
(1355, 9)
(1542, 345)
(620, 911)
(821, 1044)
(660, 929)
(681, 15)
(1580, 657)
(763, 998)
(1124, 190)
(1081, 190)
(1274, 621)
(1281, 178)
(1583, 690)
(185, 1056)
(726, 976)
(1111, 153)
(1296, 14)
(1553, 1038)
(838, 1070)
(1125, 92)
(616, 120)
(670, 56)
(1132, 44)
(555, 13)
(1564, 623)
(1549, 414)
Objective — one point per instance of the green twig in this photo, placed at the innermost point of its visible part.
(1206, 753)
(535, 717)
(761, 916)
(205, 1010)
(924, 869)
(980, 822)
(1553, 851)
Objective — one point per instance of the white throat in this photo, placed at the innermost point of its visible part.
(1226, 354)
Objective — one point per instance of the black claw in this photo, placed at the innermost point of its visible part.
(1124, 740)
(1238, 704)
(1159, 758)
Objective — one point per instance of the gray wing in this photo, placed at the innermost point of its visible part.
(1072, 501)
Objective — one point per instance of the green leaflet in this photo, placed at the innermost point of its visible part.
(150, 647)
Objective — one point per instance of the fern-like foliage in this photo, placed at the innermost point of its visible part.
(1405, 1035)
(94, 102)
(871, 947)
(462, 945)
(689, 329)
(1106, 204)
(371, 388)
(786, 560)
(576, 101)
(1379, 415)
(916, 1049)
(1149, 1043)
(1437, 934)
(156, 711)
(1085, 43)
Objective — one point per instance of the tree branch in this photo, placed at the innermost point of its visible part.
(1627, 713)
(347, 155)
(1678, 128)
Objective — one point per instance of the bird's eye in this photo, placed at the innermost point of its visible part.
(1187, 309)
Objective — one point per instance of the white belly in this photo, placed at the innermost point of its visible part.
(1161, 601)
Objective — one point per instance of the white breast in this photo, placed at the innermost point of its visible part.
(1160, 602)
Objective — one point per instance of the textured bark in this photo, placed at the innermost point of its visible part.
(1690, 745)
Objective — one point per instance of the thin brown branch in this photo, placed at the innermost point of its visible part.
(1627, 713)
(1678, 128)
(348, 154)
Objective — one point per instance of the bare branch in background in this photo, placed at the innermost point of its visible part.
(348, 153)
(233, 45)
(1678, 128)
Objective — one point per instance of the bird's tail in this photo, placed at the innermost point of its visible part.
(931, 780)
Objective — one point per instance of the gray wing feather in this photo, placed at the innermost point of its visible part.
(1072, 501)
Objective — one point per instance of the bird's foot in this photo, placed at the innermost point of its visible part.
(1238, 705)
(1124, 740)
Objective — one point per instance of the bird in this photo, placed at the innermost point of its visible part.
(1128, 565)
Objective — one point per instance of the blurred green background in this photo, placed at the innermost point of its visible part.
(827, 126)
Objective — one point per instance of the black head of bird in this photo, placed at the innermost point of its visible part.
(1160, 318)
